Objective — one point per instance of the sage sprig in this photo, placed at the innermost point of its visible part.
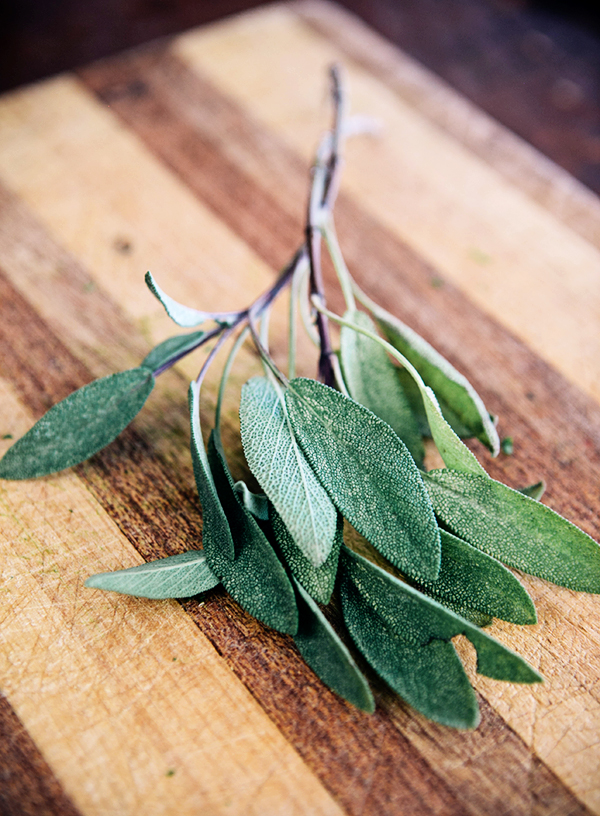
(344, 449)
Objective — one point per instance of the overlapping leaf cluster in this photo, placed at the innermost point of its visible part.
(347, 447)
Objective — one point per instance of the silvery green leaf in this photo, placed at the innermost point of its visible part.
(372, 380)
(419, 620)
(534, 491)
(79, 426)
(182, 315)
(471, 580)
(428, 676)
(515, 529)
(327, 655)
(317, 581)
(369, 474)
(172, 347)
(452, 450)
(216, 535)
(281, 468)
(178, 576)
(256, 578)
(255, 503)
(448, 383)
(415, 400)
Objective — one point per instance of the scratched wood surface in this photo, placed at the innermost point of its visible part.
(190, 157)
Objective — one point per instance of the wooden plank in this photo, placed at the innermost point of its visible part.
(394, 760)
(127, 701)
(514, 258)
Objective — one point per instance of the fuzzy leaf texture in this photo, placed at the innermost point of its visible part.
(281, 468)
(471, 580)
(515, 529)
(256, 578)
(178, 576)
(172, 347)
(372, 380)
(216, 535)
(449, 384)
(78, 427)
(430, 676)
(369, 474)
(317, 581)
(418, 619)
(184, 316)
(328, 657)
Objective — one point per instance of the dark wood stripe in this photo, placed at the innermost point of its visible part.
(27, 785)
(366, 762)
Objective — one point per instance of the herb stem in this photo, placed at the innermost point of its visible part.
(225, 376)
(339, 264)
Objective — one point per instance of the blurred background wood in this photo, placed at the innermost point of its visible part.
(534, 65)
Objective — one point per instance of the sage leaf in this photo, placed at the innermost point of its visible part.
(281, 468)
(430, 676)
(417, 619)
(448, 383)
(256, 579)
(369, 474)
(79, 426)
(172, 347)
(470, 580)
(216, 535)
(255, 503)
(182, 315)
(178, 576)
(454, 452)
(372, 380)
(327, 655)
(534, 491)
(317, 581)
(515, 529)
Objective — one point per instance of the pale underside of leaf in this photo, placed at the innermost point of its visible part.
(78, 427)
(372, 380)
(178, 576)
(184, 316)
(369, 474)
(327, 655)
(451, 386)
(283, 472)
(515, 529)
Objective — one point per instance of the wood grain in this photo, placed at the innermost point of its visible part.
(193, 178)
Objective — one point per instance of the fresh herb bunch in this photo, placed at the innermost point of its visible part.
(346, 446)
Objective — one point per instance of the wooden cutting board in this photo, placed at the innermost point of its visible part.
(190, 157)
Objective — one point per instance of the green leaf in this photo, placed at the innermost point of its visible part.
(372, 380)
(369, 474)
(418, 619)
(216, 535)
(429, 676)
(327, 655)
(178, 576)
(256, 578)
(283, 472)
(449, 384)
(515, 529)
(182, 315)
(79, 426)
(255, 503)
(534, 491)
(172, 347)
(470, 580)
(317, 581)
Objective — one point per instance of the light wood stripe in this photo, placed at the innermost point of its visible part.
(517, 261)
